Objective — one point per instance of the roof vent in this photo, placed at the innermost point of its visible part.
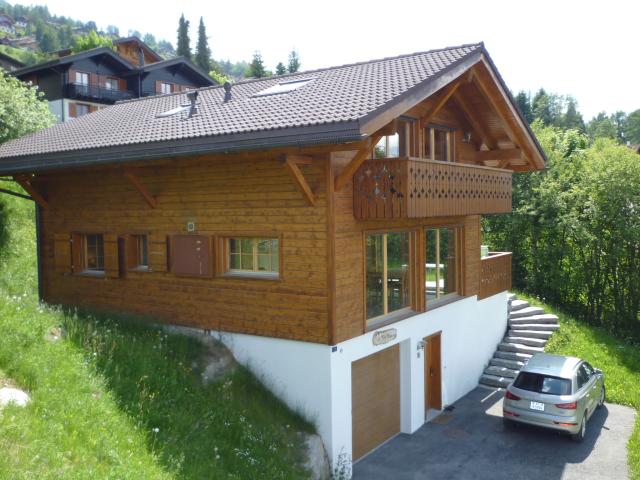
(227, 91)
(284, 87)
(191, 107)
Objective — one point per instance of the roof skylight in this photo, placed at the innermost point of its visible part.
(284, 87)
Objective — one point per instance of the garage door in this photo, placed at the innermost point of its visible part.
(375, 401)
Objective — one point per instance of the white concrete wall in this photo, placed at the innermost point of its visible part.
(316, 379)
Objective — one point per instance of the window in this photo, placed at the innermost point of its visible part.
(438, 143)
(284, 87)
(138, 253)
(93, 253)
(256, 255)
(82, 78)
(166, 87)
(538, 383)
(441, 263)
(400, 144)
(583, 376)
(81, 109)
(111, 84)
(387, 273)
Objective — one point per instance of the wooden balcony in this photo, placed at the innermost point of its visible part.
(495, 274)
(393, 188)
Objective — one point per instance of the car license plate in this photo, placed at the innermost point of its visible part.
(537, 406)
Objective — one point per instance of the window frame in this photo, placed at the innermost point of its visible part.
(452, 296)
(83, 252)
(81, 74)
(164, 84)
(225, 251)
(112, 81)
(133, 246)
(84, 105)
(428, 132)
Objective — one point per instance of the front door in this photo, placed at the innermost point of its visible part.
(432, 372)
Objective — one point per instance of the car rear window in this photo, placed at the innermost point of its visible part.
(536, 382)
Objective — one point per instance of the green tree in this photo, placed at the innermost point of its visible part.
(572, 117)
(294, 61)
(218, 77)
(632, 131)
(256, 67)
(523, 100)
(91, 40)
(541, 107)
(601, 126)
(619, 120)
(150, 40)
(49, 41)
(113, 30)
(203, 53)
(184, 47)
(281, 69)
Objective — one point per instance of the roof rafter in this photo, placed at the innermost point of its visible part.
(25, 182)
(291, 163)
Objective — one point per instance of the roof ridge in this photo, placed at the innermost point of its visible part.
(323, 69)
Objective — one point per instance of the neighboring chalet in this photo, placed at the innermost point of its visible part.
(7, 23)
(8, 63)
(324, 224)
(77, 84)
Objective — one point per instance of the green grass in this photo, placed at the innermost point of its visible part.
(618, 359)
(120, 399)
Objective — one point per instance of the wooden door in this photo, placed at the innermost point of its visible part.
(433, 373)
(375, 399)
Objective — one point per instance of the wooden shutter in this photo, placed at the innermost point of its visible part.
(72, 110)
(157, 252)
(131, 253)
(77, 242)
(111, 256)
(62, 253)
(92, 108)
(71, 76)
(122, 84)
(94, 79)
(158, 86)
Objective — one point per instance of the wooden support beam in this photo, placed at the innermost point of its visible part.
(135, 181)
(25, 182)
(291, 163)
(16, 194)
(501, 107)
(501, 156)
(476, 125)
(355, 162)
(440, 99)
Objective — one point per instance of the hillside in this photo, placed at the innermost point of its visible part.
(116, 398)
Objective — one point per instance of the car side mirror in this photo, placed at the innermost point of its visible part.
(597, 371)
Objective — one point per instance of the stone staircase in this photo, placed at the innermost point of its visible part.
(528, 332)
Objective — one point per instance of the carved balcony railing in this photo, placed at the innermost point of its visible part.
(392, 188)
(495, 274)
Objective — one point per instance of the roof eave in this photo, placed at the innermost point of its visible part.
(332, 134)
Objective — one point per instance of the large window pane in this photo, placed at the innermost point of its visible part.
(448, 260)
(375, 275)
(94, 252)
(441, 265)
(397, 271)
(254, 254)
(431, 266)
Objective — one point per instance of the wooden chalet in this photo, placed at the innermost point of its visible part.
(324, 224)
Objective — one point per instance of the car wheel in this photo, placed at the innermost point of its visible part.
(579, 437)
(602, 397)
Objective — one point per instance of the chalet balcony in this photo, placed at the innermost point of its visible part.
(94, 93)
(393, 188)
(495, 274)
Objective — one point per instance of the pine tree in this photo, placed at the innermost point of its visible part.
(632, 128)
(524, 104)
(184, 47)
(541, 107)
(203, 53)
(572, 118)
(294, 61)
(256, 67)
(281, 69)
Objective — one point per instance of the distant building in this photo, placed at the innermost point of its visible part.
(77, 84)
(22, 22)
(7, 23)
(9, 63)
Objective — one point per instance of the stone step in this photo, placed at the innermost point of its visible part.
(519, 305)
(502, 362)
(511, 296)
(494, 381)
(532, 342)
(526, 312)
(543, 327)
(502, 372)
(540, 318)
(519, 348)
(517, 356)
(543, 334)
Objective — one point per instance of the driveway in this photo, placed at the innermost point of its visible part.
(470, 442)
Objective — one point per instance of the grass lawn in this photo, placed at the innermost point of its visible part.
(119, 399)
(619, 360)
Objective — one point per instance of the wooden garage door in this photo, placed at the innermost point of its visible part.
(375, 401)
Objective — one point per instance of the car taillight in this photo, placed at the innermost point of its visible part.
(567, 406)
(511, 396)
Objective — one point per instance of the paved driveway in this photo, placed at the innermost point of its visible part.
(470, 442)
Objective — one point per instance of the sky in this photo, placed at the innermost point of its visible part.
(586, 49)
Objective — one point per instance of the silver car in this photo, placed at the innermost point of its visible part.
(555, 392)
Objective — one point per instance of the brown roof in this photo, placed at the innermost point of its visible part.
(329, 109)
